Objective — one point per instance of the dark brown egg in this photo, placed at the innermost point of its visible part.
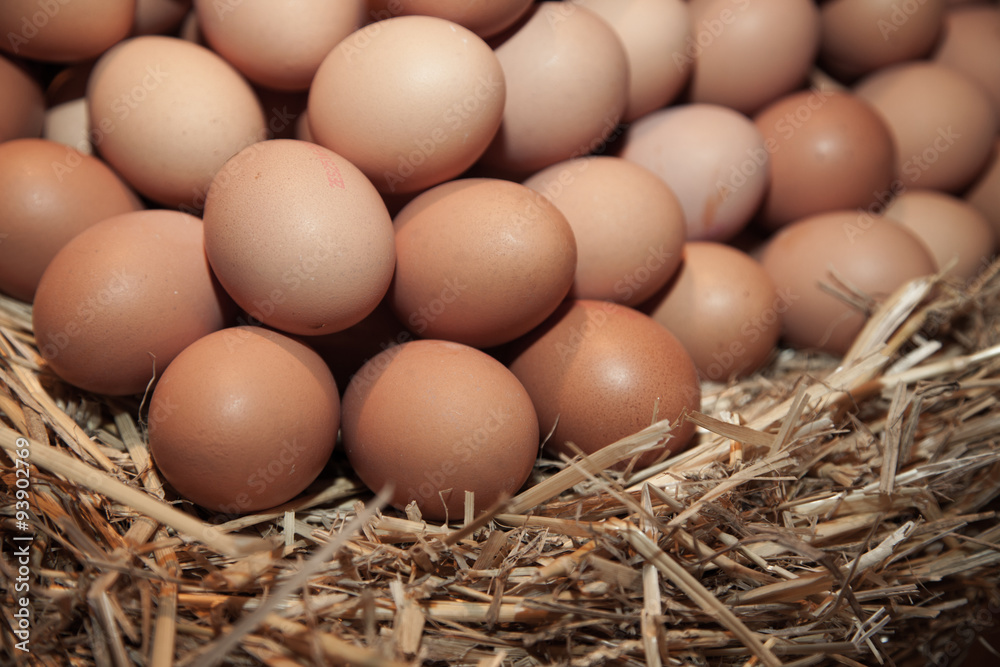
(63, 31)
(971, 44)
(23, 109)
(243, 419)
(605, 371)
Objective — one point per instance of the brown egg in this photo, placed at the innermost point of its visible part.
(480, 261)
(23, 109)
(606, 371)
(63, 30)
(952, 229)
(166, 114)
(278, 43)
(747, 53)
(629, 226)
(243, 419)
(871, 254)
(971, 44)
(829, 151)
(437, 103)
(713, 158)
(49, 193)
(654, 34)
(483, 18)
(941, 121)
(299, 237)
(124, 297)
(860, 36)
(723, 308)
(159, 17)
(984, 194)
(436, 419)
(567, 87)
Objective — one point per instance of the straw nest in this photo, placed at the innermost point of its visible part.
(832, 512)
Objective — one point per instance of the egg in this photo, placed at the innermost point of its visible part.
(436, 106)
(121, 299)
(941, 121)
(971, 44)
(984, 193)
(64, 31)
(723, 307)
(436, 419)
(747, 53)
(23, 110)
(243, 419)
(829, 151)
(166, 114)
(712, 157)
(567, 88)
(628, 225)
(159, 16)
(278, 43)
(299, 237)
(952, 229)
(49, 193)
(483, 18)
(597, 371)
(480, 261)
(869, 253)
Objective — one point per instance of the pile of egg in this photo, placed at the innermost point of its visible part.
(443, 234)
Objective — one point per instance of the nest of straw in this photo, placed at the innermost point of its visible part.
(832, 511)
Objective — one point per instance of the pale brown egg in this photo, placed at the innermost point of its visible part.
(829, 151)
(860, 36)
(166, 114)
(724, 308)
(971, 44)
(654, 34)
(712, 157)
(435, 420)
(124, 297)
(567, 88)
(243, 419)
(941, 121)
(299, 237)
(952, 229)
(628, 225)
(22, 110)
(483, 17)
(599, 371)
(278, 43)
(869, 253)
(433, 99)
(63, 31)
(480, 261)
(49, 193)
(984, 194)
(747, 53)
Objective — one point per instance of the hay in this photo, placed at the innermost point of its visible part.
(833, 512)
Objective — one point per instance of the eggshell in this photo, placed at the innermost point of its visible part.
(124, 297)
(567, 87)
(154, 17)
(870, 253)
(984, 194)
(942, 123)
(952, 229)
(480, 261)
(654, 34)
(860, 36)
(436, 106)
(605, 371)
(299, 237)
(970, 43)
(243, 419)
(278, 43)
(23, 108)
(628, 224)
(49, 193)
(436, 419)
(713, 158)
(829, 151)
(63, 31)
(724, 308)
(748, 53)
(166, 114)
(481, 17)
